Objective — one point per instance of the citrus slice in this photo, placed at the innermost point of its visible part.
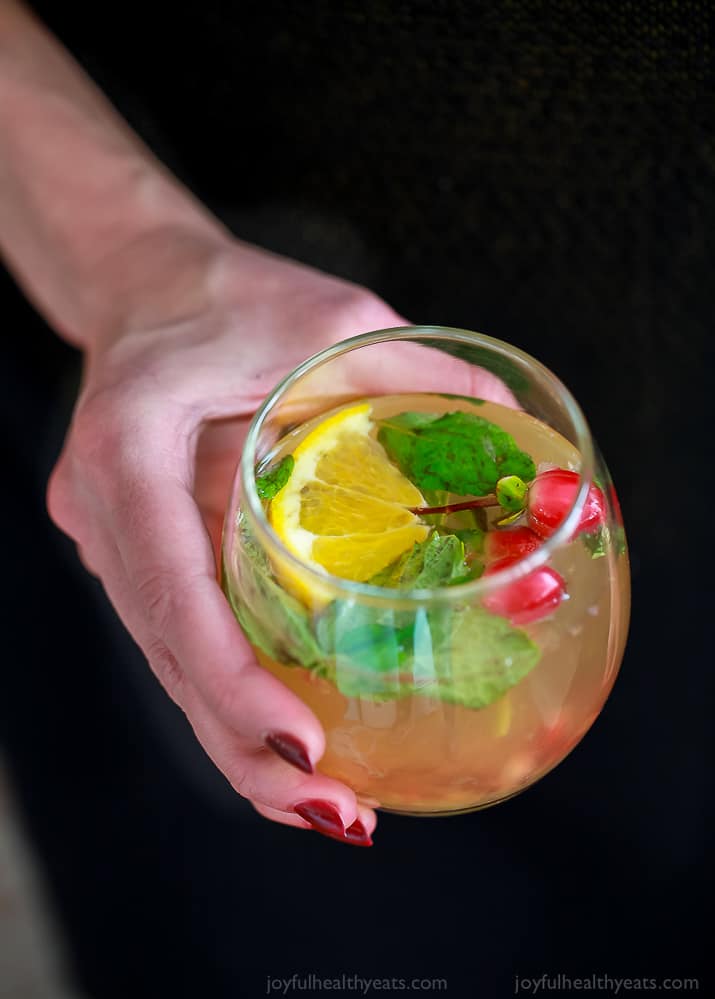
(344, 508)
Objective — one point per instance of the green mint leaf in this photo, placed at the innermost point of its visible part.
(443, 562)
(368, 649)
(401, 573)
(268, 485)
(459, 452)
(597, 542)
(461, 656)
(480, 657)
(272, 619)
(438, 561)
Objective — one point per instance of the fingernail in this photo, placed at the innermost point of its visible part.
(357, 834)
(290, 749)
(325, 818)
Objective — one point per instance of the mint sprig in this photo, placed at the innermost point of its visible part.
(459, 452)
(270, 484)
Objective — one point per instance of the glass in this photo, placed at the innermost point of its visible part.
(402, 729)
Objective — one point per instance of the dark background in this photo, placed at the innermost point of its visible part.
(545, 173)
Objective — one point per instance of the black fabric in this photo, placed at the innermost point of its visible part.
(539, 171)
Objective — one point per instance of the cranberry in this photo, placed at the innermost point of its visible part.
(528, 599)
(551, 496)
(518, 542)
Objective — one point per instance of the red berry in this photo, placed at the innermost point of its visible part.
(551, 496)
(518, 542)
(528, 599)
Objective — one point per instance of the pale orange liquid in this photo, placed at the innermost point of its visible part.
(421, 755)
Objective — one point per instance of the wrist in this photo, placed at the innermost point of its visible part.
(160, 277)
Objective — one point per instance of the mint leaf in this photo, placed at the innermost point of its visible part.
(481, 656)
(438, 561)
(273, 620)
(368, 649)
(459, 452)
(443, 562)
(461, 656)
(400, 574)
(597, 542)
(268, 485)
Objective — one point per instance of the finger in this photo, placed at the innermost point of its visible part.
(366, 816)
(389, 368)
(170, 567)
(264, 778)
(404, 366)
(255, 772)
(284, 818)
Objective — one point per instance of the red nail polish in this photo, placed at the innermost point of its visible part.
(325, 818)
(357, 834)
(290, 749)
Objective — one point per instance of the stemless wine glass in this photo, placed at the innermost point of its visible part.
(435, 701)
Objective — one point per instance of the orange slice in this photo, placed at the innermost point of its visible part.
(344, 508)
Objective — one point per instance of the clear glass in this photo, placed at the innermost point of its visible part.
(401, 744)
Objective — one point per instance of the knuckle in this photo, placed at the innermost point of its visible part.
(100, 432)
(112, 433)
(156, 596)
(123, 435)
(167, 670)
(59, 500)
(95, 451)
(242, 780)
(361, 309)
(163, 596)
(344, 309)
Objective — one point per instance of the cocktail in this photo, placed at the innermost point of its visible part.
(425, 546)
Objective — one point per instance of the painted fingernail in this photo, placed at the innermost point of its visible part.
(357, 834)
(290, 749)
(322, 816)
(325, 818)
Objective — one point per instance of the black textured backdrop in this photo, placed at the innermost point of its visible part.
(544, 172)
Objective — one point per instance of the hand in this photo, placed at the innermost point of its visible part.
(142, 485)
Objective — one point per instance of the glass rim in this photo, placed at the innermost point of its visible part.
(346, 588)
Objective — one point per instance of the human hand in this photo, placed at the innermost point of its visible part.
(185, 331)
(143, 482)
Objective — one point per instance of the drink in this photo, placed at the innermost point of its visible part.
(457, 698)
